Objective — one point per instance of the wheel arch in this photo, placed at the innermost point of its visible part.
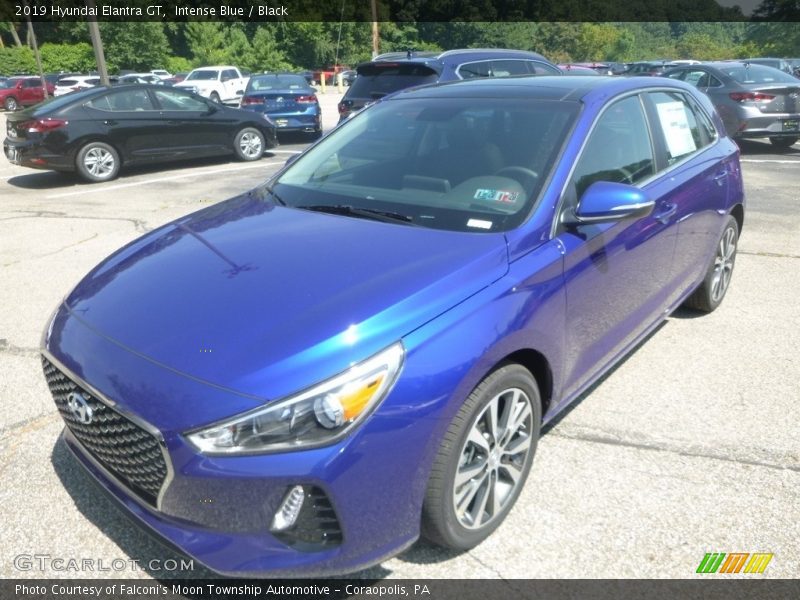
(538, 366)
(78, 145)
(737, 212)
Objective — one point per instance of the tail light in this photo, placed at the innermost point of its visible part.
(312, 99)
(252, 100)
(750, 96)
(42, 125)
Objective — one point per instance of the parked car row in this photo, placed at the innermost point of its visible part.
(96, 131)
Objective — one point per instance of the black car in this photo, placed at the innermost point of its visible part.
(395, 71)
(98, 130)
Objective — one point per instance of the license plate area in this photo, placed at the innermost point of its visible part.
(791, 125)
(281, 122)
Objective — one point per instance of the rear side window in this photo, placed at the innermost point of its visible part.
(685, 127)
(377, 80)
(758, 74)
(619, 149)
(504, 68)
(125, 101)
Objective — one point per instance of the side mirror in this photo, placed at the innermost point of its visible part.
(607, 202)
(212, 108)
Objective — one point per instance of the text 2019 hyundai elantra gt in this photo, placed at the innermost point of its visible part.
(304, 378)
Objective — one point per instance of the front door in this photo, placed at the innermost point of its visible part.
(615, 274)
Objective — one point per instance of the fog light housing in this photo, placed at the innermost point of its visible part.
(289, 510)
(306, 520)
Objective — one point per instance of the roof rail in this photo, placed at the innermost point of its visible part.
(465, 50)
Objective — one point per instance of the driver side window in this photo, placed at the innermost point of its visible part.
(619, 149)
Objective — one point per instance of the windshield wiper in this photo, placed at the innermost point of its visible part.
(365, 213)
(278, 199)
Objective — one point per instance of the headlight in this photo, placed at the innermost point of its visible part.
(318, 416)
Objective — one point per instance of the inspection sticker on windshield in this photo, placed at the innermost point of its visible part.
(496, 196)
(479, 224)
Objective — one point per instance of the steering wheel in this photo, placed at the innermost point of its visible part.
(526, 177)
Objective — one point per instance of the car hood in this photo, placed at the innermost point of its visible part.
(255, 297)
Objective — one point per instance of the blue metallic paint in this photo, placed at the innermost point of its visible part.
(273, 293)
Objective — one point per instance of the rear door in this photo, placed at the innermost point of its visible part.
(130, 120)
(32, 92)
(697, 171)
(615, 274)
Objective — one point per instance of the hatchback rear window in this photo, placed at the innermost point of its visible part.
(378, 80)
(759, 74)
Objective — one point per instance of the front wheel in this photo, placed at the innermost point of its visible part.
(11, 103)
(709, 294)
(249, 144)
(97, 162)
(484, 459)
(214, 97)
(784, 142)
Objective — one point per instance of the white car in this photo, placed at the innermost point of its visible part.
(73, 84)
(161, 73)
(222, 84)
(140, 78)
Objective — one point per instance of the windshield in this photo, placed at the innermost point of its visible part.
(462, 164)
(758, 74)
(376, 80)
(268, 83)
(203, 76)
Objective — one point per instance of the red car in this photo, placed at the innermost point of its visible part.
(17, 92)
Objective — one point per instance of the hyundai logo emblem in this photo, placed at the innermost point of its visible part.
(80, 409)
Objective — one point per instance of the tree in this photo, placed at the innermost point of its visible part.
(137, 45)
(206, 41)
(67, 57)
(267, 54)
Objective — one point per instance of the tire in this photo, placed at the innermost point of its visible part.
(97, 161)
(784, 142)
(248, 144)
(214, 97)
(710, 293)
(11, 104)
(459, 512)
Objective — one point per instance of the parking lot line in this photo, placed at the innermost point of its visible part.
(159, 179)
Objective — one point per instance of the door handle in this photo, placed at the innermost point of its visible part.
(665, 215)
(109, 122)
(720, 177)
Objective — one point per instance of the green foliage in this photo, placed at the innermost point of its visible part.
(206, 41)
(177, 64)
(135, 45)
(17, 60)
(67, 57)
(267, 54)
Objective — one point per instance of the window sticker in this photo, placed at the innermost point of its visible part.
(676, 128)
(496, 196)
(479, 224)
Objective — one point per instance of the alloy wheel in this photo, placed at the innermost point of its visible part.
(492, 458)
(723, 264)
(99, 162)
(251, 145)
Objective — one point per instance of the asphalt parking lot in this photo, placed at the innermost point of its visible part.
(691, 445)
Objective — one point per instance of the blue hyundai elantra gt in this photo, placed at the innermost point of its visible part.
(304, 379)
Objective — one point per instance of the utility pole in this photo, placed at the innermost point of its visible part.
(375, 37)
(32, 38)
(97, 44)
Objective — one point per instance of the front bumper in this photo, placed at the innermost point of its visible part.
(218, 510)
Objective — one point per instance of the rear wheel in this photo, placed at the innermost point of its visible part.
(784, 142)
(11, 103)
(484, 459)
(708, 296)
(97, 161)
(249, 144)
